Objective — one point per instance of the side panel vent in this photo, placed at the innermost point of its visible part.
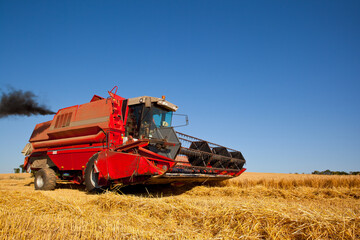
(63, 120)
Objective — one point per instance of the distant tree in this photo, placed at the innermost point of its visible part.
(22, 168)
(16, 170)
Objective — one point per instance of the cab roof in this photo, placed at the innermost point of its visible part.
(159, 101)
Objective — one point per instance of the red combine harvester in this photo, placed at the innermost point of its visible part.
(116, 141)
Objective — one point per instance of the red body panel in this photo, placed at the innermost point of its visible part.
(72, 159)
(117, 165)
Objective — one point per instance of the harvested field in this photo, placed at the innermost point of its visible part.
(253, 206)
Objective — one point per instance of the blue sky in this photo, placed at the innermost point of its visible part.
(277, 80)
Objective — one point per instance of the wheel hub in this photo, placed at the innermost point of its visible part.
(40, 181)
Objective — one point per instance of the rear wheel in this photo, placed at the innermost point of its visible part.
(91, 178)
(45, 179)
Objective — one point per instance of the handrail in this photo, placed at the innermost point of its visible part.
(115, 90)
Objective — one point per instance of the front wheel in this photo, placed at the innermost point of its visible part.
(45, 179)
(91, 178)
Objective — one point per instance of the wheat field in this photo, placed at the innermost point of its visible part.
(252, 206)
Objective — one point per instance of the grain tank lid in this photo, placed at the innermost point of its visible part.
(159, 101)
(95, 98)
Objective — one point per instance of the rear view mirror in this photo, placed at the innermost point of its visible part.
(186, 119)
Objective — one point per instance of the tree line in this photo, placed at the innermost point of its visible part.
(329, 172)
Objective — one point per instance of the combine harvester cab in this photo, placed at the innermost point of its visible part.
(116, 141)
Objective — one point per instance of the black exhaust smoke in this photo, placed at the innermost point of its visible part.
(17, 102)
